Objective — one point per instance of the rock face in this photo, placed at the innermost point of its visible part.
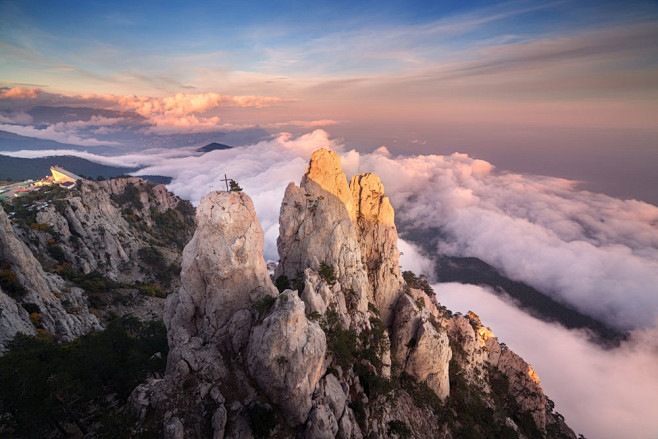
(22, 273)
(378, 241)
(228, 328)
(120, 230)
(223, 273)
(322, 362)
(351, 230)
(286, 357)
(317, 231)
(421, 345)
(104, 226)
(13, 319)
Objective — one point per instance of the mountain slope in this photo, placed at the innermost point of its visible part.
(72, 257)
(315, 359)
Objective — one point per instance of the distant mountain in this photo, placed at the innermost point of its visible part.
(470, 270)
(23, 169)
(157, 179)
(213, 146)
(475, 271)
(14, 142)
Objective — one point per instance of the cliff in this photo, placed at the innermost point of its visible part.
(344, 348)
(70, 259)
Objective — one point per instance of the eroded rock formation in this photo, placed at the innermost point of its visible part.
(223, 276)
(352, 353)
(31, 285)
(378, 235)
(59, 244)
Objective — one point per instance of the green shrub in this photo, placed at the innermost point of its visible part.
(31, 308)
(282, 283)
(56, 252)
(234, 186)
(264, 305)
(43, 384)
(326, 273)
(9, 282)
(419, 282)
(130, 196)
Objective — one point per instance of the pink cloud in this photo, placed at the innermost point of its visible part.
(20, 93)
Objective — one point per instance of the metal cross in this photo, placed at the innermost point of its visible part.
(226, 180)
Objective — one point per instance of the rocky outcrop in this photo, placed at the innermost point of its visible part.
(59, 311)
(286, 357)
(317, 233)
(223, 276)
(421, 345)
(319, 362)
(59, 244)
(378, 235)
(231, 333)
(103, 226)
(348, 230)
(13, 319)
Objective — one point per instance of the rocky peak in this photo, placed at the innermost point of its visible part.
(318, 242)
(375, 221)
(317, 361)
(348, 228)
(372, 204)
(325, 170)
(223, 276)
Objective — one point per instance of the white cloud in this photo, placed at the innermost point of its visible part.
(593, 251)
(412, 259)
(602, 393)
(58, 133)
(597, 253)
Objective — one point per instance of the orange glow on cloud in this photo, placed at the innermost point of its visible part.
(20, 93)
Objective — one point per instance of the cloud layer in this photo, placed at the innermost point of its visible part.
(180, 113)
(605, 394)
(597, 253)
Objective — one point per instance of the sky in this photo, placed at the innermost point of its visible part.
(526, 132)
(563, 88)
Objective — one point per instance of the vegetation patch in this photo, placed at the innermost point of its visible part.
(129, 196)
(264, 305)
(9, 282)
(282, 283)
(418, 282)
(171, 226)
(399, 428)
(326, 273)
(44, 386)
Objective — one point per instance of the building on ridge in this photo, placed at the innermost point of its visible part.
(61, 175)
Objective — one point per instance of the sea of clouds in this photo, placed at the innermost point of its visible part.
(605, 394)
(597, 253)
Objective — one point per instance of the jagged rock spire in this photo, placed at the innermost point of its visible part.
(378, 235)
(324, 169)
(223, 275)
(317, 231)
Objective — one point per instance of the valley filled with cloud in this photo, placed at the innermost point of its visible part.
(595, 253)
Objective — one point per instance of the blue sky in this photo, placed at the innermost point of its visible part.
(96, 44)
(513, 82)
